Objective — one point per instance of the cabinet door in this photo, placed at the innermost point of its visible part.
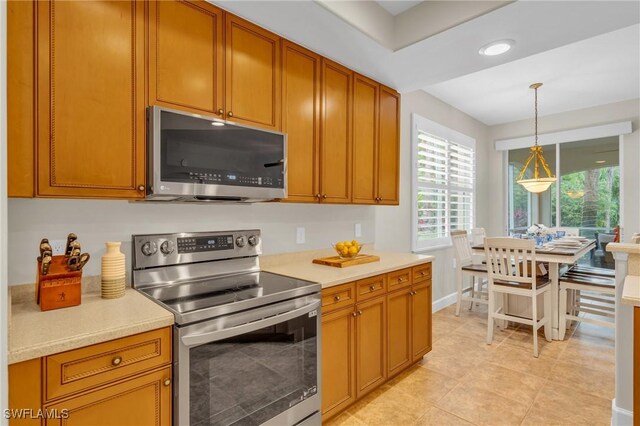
(371, 340)
(338, 361)
(365, 140)
(252, 74)
(421, 320)
(25, 387)
(399, 332)
(145, 400)
(336, 134)
(301, 120)
(91, 103)
(389, 146)
(186, 60)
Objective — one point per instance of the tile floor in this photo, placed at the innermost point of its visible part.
(464, 381)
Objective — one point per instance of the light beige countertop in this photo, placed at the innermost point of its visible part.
(631, 290)
(299, 265)
(34, 333)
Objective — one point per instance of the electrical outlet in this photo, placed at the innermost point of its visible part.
(300, 236)
(358, 230)
(58, 247)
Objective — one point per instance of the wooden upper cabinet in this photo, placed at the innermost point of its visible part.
(336, 133)
(252, 74)
(186, 55)
(365, 139)
(301, 120)
(389, 147)
(91, 103)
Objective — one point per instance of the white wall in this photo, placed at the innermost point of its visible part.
(96, 221)
(393, 224)
(604, 114)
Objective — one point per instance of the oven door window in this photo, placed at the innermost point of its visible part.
(194, 151)
(251, 378)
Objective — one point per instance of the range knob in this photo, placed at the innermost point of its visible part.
(241, 241)
(149, 248)
(254, 240)
(167, 247)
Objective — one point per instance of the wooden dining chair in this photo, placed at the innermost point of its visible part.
(466, 268)
(511, 271)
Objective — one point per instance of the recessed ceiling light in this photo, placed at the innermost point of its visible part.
(217, 123)
(600, 161)
(496, 48)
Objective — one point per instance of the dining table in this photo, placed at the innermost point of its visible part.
(555, 257)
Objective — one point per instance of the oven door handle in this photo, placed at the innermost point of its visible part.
(196, 339)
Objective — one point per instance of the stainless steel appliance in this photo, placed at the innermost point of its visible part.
(192, 157)
(246, 342)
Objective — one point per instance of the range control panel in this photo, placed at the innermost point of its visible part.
(154, 250)
(206, 243)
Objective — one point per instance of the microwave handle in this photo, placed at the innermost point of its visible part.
(196, 339)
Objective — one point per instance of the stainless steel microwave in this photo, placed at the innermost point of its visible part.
(192, 157)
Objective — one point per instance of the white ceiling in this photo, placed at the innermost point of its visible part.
(451, 55)
(596, 71)
(396, 7)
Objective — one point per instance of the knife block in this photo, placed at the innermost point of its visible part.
(60, 288)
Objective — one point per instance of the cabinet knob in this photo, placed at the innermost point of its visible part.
(140, 187)
(230, 114)
(116, 360)
(422, 273)
(166, 382)
(221, 111)
(354, 313)
(359, 312)
(337, 298)
(400, 279)
(373, 287)
(324, 195)
(318, 195)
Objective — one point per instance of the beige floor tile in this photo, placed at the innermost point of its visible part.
(570, 406)
(482, 407)
(514, 385)
(539, 417)
(523, 338)
(436, 416)
(454, 364)
(344, 419)
(591, 353)
(388, 408)
(520, 359)
(423, 384)
(591, 380)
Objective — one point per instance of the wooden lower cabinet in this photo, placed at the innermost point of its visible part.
(338, 360)
(399, 330)
(421, 320)
(121, 382)
(371, 345)
(367, 340)
(145, 400)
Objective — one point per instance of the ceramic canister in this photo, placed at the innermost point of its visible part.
(113, 271)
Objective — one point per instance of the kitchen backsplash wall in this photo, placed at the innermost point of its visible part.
(97, 221)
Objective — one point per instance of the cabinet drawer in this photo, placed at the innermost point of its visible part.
(421, 273)
(338, 297)
(91, 366)
(371, 287)
(399, 279)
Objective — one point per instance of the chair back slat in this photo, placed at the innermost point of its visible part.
(510, 259)
(462, 248)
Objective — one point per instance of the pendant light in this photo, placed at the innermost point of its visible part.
(537, 184)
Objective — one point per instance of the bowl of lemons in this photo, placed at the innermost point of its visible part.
(347, 249)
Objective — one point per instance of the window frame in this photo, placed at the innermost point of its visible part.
(419, 123)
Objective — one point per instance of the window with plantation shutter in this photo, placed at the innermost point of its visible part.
(443, 183)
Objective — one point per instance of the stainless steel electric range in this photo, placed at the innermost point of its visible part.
(246, 342)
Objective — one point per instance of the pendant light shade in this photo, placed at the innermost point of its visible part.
(537, 184)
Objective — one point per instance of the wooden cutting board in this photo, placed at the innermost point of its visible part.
(338, 262)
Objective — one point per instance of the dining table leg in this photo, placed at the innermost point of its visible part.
(555, 310)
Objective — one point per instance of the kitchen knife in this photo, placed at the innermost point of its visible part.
(75, 248)
(72, 262)
(44, 246)
(71, 238)
(46, 262)
(84, 258)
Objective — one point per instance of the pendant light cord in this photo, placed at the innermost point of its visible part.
(536, 115)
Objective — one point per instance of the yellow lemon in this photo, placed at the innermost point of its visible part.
(347, 244)
(353, 251)
(344, 251)
(355, 243)
(339, 246)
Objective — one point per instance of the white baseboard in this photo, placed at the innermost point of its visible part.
(620, 416)
(444, 302)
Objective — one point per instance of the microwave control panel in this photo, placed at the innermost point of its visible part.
(236, 179)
